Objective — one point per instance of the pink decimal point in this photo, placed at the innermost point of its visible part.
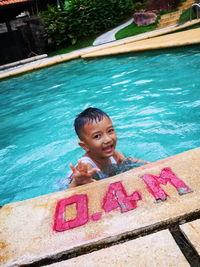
(96, 216)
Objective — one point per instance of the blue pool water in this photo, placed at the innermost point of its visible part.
(152, 98)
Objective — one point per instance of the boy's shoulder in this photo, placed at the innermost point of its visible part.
(89, 161)
(118, 156)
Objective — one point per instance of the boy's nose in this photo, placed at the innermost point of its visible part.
(107, 139)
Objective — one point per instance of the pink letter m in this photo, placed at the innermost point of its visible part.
(166, 175)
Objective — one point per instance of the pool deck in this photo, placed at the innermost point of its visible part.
(125, 220)
(189, 37)
(130, 219)
(158, 39)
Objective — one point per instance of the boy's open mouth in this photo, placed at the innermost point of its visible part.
(108, 149)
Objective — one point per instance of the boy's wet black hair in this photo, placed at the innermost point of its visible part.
(88, 116)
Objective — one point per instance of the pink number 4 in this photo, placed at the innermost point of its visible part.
(116, 197)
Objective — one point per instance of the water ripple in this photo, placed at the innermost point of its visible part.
(143, 81)
(156, 113)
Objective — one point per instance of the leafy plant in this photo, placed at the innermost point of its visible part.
(83, 18)
(138, 6)
(82, 43)
(185, 16)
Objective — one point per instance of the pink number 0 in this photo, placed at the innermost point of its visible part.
(81, 202)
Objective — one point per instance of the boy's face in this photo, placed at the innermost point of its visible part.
(99, 138)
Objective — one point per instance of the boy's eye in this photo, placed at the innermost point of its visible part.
(111, 130)
(96, 136)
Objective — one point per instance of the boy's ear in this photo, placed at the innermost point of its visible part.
(83, 145)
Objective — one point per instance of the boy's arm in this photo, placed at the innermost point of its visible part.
(82, 174)
(119, 157)
(135, 160)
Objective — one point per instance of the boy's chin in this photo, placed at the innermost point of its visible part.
(109, 154)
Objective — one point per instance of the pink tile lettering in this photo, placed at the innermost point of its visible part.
(166, 176)
(81, 202)
(116, 196)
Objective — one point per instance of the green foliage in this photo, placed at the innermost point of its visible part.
(182, 1)
(185, 16)
(133, 29)
(138, 6)
(82, 43)
(82, 18)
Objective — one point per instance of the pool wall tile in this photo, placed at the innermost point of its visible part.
(102, 212)
(192, 232)
(157, 249)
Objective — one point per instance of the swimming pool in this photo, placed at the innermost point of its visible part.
(152, 98)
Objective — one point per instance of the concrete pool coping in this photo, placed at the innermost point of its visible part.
(191, 37)
(165, 34)
(140, 202)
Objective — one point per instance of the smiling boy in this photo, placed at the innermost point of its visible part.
(98, 138)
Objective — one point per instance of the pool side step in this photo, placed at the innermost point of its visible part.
(157, 249)
(173, 17)
(189, 37)
(23, 61)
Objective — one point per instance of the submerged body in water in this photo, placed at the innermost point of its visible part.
(111, 170)
(117, 168)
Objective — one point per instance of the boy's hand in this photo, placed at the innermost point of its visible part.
(82, 174)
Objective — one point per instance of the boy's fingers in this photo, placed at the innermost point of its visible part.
(79, 164)
(72, 167)
(93, 171)
(82, 167)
